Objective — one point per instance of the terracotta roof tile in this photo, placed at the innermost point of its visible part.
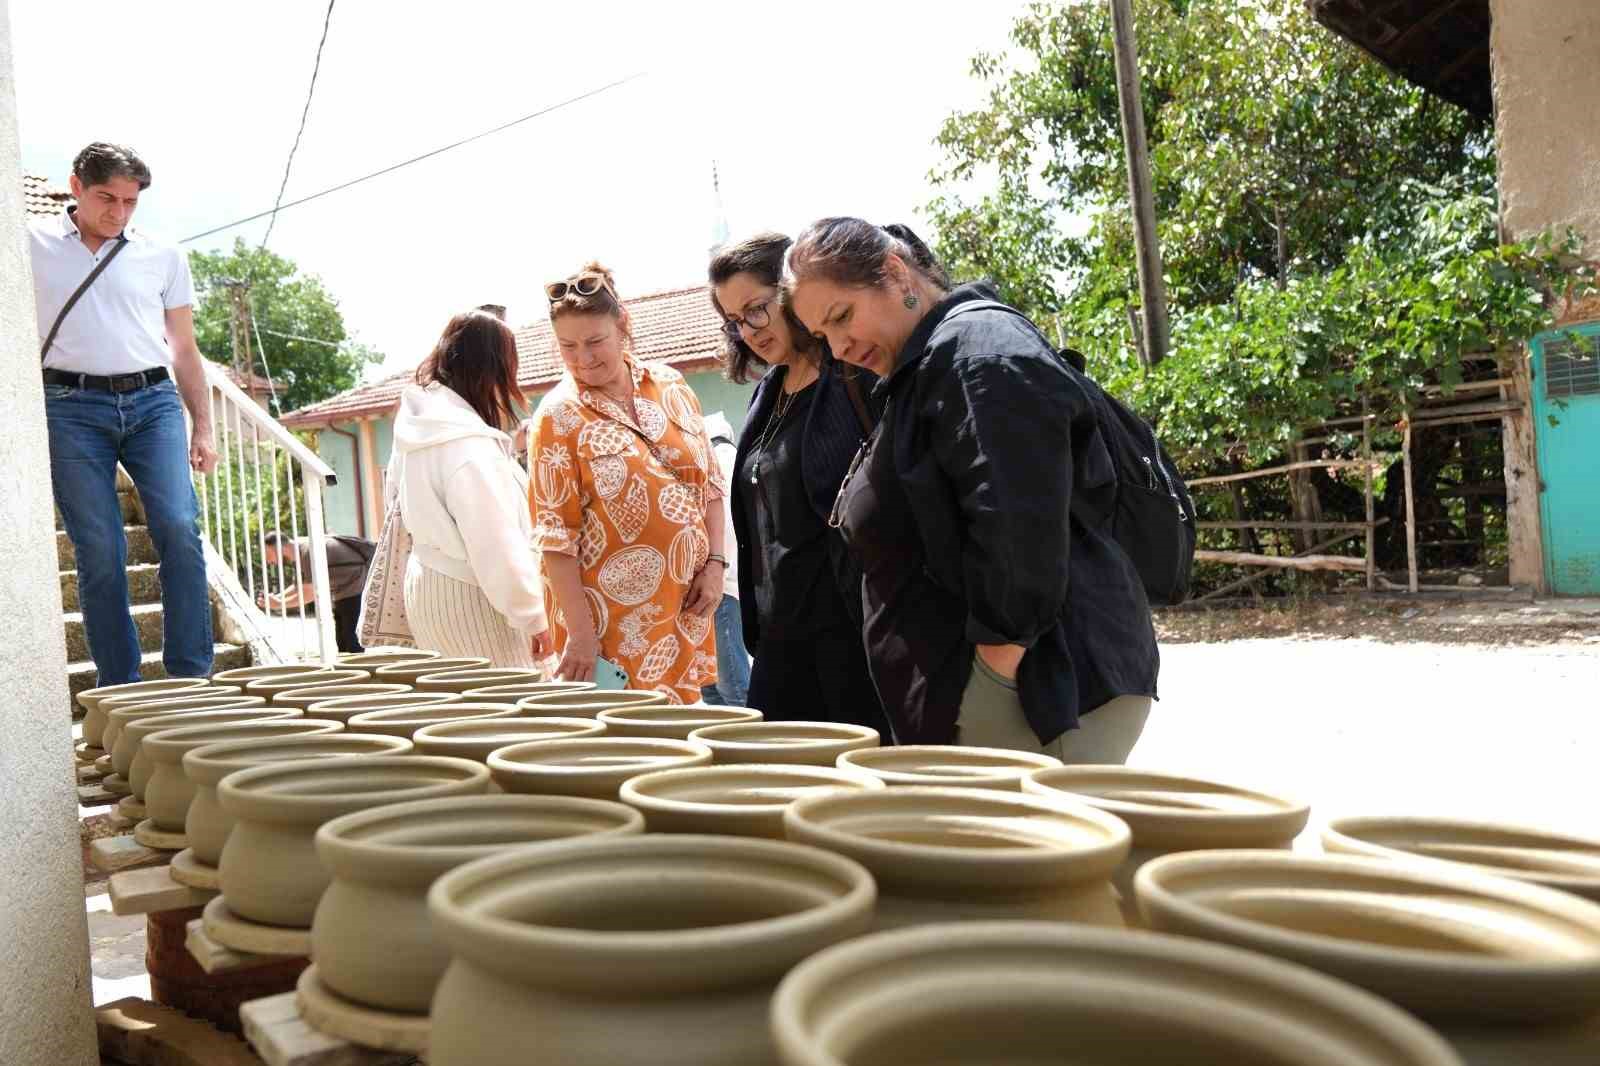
(39, 198)
(678, 327)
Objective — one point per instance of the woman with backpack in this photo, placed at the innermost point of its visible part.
(1000, 611)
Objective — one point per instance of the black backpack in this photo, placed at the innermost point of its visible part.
(1152, 516)
(361, 546)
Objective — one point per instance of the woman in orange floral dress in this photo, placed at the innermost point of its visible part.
(627, 507)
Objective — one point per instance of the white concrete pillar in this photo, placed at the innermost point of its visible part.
(45, 1013)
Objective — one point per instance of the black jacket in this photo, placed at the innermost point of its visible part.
(990, 452)
(833, 433)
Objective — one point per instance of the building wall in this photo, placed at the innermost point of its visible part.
(45, 1014)
(339, 503)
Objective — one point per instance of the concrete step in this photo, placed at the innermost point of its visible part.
(146, 622)
(81, 675)
(132, 515)
(141, 550)
(144, 586)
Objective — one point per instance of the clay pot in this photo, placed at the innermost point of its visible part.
(404, 721)
(1043, 994)
(110, 729)
(134, 734)
(246, 674)
(588, 703)
(465, 680)
(475, 738)
(744, 801)
(793, 743)
(1555, 860)
(517, 693)
(658, 950)
(208, 826)
(94, 721)
(169, 792)
(345, 708)
(1168, 813)
(269, 870)
(383, 862)
(407, 673)
(671, 722)
(372, 658)
(116, 724)
(947, 766)
(946, 854)
(271, 686)
(303, 698)
(590, 766)
(1439, 941)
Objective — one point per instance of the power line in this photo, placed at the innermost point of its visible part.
(417, 159)
(311, 90)
(298, 337)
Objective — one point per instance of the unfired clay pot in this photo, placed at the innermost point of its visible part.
(651, 950)
(169, 793)
(373, 658)
(947, 765)
(345, 708)
(1169, 813)
(744, 800)
(478, 677)
(475, 738)
(110, 729)
(94, 720)
(271, 686)
(1048, 994)
(1555, 860)
(246, 674)
(588, 766)
(383, 861)
(116, 725)
(671, 721)
(517, 693)
(407, 673)
(305, 697)
(208, 825)
(135, 734)
(269, 870)
(795, 743)
(1442, 942)
(404, 721)
(588, 703)
(944, 854)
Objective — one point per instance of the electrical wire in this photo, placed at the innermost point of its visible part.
(305, 112)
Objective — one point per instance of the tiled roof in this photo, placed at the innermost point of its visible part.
(39, 198)
(262, 385)
(677, 327)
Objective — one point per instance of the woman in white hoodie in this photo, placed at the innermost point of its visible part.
(473, 584)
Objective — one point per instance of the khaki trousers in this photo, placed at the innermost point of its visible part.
(991, 717)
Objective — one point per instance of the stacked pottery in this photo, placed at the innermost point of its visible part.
(1169, 813)
(967, 854)
(121, 750)
(793, 743)
(383, 861)
(947, 766)
(373, 658)
(169, 793)
(746, 800)
(632, 951)
(588, 766)
(405, 721)
(1037, 993)
(345, 708)
(670, 721)
(475, 738)
(517, 693)
(317, 678)
(588, 703)
(109, 728)
(270, 873)
(94, 719)
(1509, 971)
(463, 681)
(406, 673)
(136, 733)
(303, 698)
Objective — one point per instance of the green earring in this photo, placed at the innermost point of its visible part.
(911, 300)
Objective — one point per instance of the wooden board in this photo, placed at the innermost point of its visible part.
(331, 1014)
(137, 1031)
(123, 853)
(152, 889)
(89, 774)
(213, 957)
(96, 796)
(281, 1037)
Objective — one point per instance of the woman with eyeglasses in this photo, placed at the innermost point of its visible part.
(800, 592)
(627, 507)
(995, 615)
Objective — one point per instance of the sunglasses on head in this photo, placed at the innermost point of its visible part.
(581, 284)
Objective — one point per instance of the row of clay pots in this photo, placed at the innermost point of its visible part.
(168, 792)
(94, 721)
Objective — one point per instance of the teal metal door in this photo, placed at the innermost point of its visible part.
(1566, 387)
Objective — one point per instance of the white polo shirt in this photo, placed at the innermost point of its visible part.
(119, 325)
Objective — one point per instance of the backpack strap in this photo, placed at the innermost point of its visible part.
(83, 287)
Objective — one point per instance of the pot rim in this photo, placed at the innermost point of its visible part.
(1346, 836)
(946, 866)
(210, 764)
(625, 697)
(636, 791)
(844, 732)
(246, 786)
(246, 674)
(467, 672)
(123, 716)
(409, 698)
(323, 676)
(104, 692)
(401, 715)
(489, 692)
(462, 730)
(414, 669)
(390, 657)
(171, 745)
(374, 688)
(142, 729)
(1022, 762)
(677, 715)
(505, 759)
(139, 699)
(799, 1004)
(1280, 819)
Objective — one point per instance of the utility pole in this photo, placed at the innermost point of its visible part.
(239, 330)
(1152, 285)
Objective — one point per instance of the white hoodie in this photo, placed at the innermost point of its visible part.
(464, 501)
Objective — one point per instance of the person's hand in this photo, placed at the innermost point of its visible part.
(705, 591)
(577, 661)
(543, 644)
(1003, 659)
(202, 453)
(261, 600)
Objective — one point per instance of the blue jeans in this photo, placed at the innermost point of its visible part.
(90, 432)
(733, 662)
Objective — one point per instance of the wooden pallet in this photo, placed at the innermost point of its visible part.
(136, 1030)
(213, 957)
(152, 889)
(278, 1033)
(112, 854)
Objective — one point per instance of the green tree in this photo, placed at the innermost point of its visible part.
(287, 306)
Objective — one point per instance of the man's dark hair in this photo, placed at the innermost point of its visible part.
(274, 539)
(100, 162)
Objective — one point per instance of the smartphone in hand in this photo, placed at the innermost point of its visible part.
(608, 675)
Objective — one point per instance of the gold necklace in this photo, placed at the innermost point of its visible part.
(785, 402)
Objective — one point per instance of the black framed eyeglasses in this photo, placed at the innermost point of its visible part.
(581, 284)
(758, 317)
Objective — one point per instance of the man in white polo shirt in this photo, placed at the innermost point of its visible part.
(115, 364)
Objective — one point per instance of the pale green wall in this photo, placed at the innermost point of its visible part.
(339, 503)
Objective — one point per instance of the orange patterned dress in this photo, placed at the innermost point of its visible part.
(628, 499)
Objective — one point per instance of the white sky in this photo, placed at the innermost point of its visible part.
(826, 107)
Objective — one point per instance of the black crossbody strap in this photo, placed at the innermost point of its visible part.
(853, 388)
(72, 300)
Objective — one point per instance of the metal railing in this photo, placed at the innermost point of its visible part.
(266, 480)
